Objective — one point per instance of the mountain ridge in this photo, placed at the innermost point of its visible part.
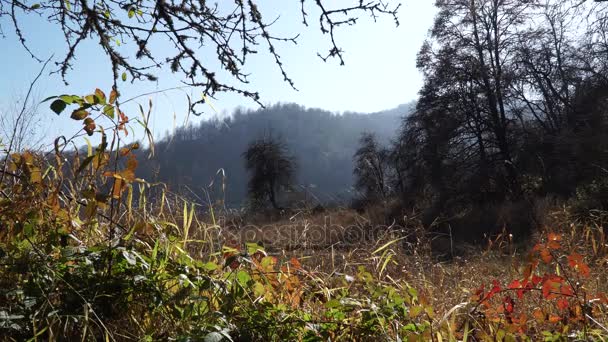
(322, 142)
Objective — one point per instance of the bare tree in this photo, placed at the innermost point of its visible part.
(24, 128)
(372, 168)
(231, 30)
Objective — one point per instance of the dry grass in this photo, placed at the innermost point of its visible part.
(336, 243)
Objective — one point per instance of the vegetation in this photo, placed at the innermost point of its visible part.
(372, 169)
(322, 144)
(508, 141)
(509, 113)
(272, 169)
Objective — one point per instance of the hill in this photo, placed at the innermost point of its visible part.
(322, 143)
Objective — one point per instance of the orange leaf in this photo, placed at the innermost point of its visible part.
(118, 188)
(567, 291)
(554, 237)
(132, 163)
(295, 263)
(554, 318)
(552, 244)
(539, 315)
(575, 261)
(546, 255)
(113, 96)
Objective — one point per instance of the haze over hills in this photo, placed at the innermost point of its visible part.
(322, 142)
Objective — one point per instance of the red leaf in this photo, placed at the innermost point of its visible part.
(551, 286)
(515, 284)
(563, 304)
(567, 291)
(494, 290)
(508, 304)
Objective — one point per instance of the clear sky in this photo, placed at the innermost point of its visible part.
(380, 71)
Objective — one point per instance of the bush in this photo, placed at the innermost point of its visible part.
(591, 201)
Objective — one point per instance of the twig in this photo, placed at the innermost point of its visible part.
(20, 116)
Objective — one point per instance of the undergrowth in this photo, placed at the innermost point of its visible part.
(90, 252)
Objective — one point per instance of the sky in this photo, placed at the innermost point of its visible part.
(380, 71)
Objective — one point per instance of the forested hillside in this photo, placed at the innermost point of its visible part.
(323, 144)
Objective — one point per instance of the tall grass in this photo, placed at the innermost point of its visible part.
(90, 252)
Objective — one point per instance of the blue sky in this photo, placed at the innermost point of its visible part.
(380, 71)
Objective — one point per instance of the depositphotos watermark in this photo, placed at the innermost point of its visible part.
(309, 234)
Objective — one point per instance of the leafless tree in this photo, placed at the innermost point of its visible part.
(231, 30)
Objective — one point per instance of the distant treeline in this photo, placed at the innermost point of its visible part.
(323, 144)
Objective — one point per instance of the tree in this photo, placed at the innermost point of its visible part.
(372, 168)
(231, 30)
(511, 105)
(271, 169)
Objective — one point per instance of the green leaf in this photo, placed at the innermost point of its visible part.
(58, 106)
(258, 289)
(35, 6)
(124, 76)
(131, 12)
(210, 266)
(334, 303)
(412, 291)
(79, 114)
(109, 111)
(243, 278)
(69, 99)
(28, 229)
(253, 247)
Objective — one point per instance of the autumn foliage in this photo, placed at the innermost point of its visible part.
(89, 251)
